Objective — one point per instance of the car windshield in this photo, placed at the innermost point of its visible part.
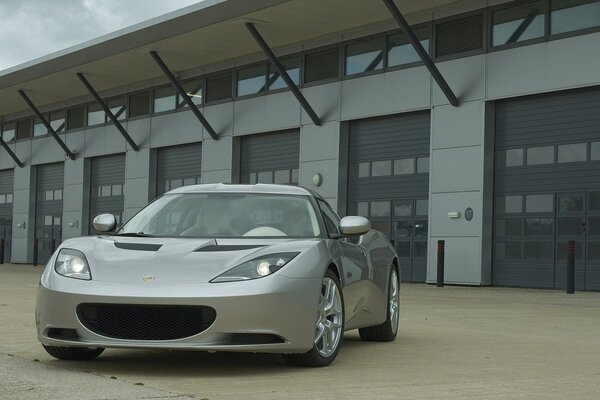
(225, 215)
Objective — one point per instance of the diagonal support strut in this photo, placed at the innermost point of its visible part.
(167, 72)
(11, 153)
(414, 41)
(49, 127)
(283, 73)
(107, 111)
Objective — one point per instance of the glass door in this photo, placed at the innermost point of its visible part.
(571, 224)
(410, 235)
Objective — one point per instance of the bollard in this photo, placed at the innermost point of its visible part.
(2, 244)
(570, 267)
(35, 252)
(52, 246)
(440, 262)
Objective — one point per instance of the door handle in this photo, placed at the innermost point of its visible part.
(418, 225)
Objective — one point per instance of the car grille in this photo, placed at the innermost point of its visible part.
(255, 338)
(145, 322)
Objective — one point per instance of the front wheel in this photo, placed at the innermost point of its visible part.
(387, 331)
(329, 329)
(73, 353)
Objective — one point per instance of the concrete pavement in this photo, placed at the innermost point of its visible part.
(454, 343)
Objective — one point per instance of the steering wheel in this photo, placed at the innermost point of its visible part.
(264, 231)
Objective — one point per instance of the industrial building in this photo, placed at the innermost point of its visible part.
(477, 123)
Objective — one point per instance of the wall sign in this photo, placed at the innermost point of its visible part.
(469, 214)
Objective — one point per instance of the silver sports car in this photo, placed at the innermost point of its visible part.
(261, 268)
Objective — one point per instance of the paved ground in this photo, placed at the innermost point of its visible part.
(454, 343)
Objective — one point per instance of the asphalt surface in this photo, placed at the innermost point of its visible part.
(454, 343)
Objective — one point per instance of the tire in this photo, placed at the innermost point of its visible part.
(73, 353)
(387, 331)
(331, 315)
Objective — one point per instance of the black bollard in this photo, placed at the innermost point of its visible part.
(440, 262)
(571, 267)
(35, 252)
(53, 246)
(2, 244)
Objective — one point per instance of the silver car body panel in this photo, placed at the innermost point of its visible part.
(283, 304)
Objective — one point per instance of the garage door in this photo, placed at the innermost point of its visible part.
(388, 182)
(6, 210)
(178, 166)
(106, 188)
(547, 189)
(49, 209)
(270, 158)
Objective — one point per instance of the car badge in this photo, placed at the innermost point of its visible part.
(149, 278)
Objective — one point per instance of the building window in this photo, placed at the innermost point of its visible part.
(405, 166)
(75, 118)
(95, 115)
(423, 165)
(572, 152)
(572, 15)
(292, 67)
(8, 131)
(539, 203)
(251, 80)
(459, 36)
(518, 24)
(24, 128)
(39, 129)
(218, 87)
(194, 92)
(139, 105)
(321, 66)
(381, 168)
(57, 121)
(118, 108)
(509, 204)
(364, 57)
(510, 158)
(540, 155)
(595, 151)
(165, 99)
(401, 52)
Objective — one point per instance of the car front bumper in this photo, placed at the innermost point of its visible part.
(275, 305)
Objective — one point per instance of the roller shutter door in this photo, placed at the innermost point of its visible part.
(270, 158)
(107, 187)
(547, 189)
(178, 166)
(49, 209)
(388, 182)
(6, 210)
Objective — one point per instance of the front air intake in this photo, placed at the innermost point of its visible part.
(145, 322)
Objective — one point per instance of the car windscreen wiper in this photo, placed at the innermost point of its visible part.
(133, 234)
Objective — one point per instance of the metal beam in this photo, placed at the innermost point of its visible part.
(414, 41)
(284, 75)
(11, 153)
(107, 110)
(167, 72)
(49, 127)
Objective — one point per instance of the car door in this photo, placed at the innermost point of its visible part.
(357, 272)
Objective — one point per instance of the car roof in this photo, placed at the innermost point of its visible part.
(258, 188)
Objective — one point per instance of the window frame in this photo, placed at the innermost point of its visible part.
(319, 50)
(490, 48)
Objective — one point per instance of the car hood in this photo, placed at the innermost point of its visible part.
(172, 260)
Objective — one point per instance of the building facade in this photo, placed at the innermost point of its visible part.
(505, 178)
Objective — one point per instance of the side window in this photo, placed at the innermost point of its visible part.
(332, 221)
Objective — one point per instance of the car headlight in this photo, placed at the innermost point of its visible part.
(72, 264)
(256, 268)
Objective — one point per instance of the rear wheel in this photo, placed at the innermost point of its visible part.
(73, 353)
(387, 331)
(329, 329)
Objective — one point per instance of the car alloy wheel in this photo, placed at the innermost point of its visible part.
(330, 319)
(394, 302)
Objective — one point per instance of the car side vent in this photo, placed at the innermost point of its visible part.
(459, 35)
(224, 247)
(62, 334)
(138, 246)
(240, 339)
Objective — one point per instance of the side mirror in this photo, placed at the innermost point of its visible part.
(354, 225)
(105, 222)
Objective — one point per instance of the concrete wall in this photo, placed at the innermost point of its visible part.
(460, 144)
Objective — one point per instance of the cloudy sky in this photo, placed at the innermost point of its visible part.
(34, 28)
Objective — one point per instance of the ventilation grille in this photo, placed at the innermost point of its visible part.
(62, 334)
(255, 338)
(459, 36)
(145, 322)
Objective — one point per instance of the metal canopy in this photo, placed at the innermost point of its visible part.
(37, 112)
(283, 73)
(11, 153)
(107, 110)
(167, 72)
(425, 57)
